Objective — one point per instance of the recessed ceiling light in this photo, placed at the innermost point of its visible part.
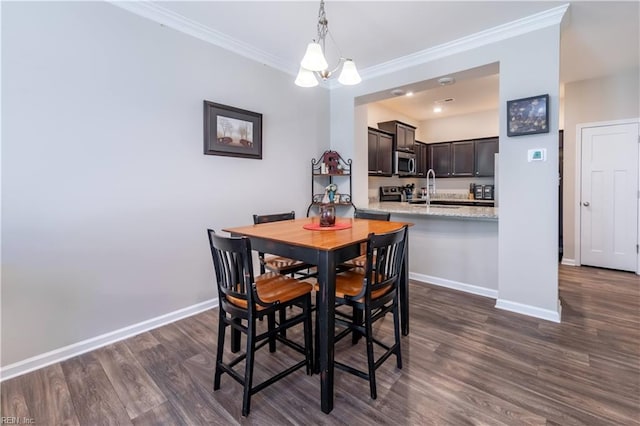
(397, 92)
(409, 94)
(437, 109)
(446, 81)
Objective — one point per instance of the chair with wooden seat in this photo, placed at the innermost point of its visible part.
(373, 292)
(359, 261)
(280, 264)
(243, 299)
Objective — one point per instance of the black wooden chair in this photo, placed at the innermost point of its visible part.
(359, 261)
(370, 214)
(280, 264)
(374, 293)
(243, 299)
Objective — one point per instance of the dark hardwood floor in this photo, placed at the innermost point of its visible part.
(465, 362)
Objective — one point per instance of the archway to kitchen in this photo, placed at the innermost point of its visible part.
(461, 106)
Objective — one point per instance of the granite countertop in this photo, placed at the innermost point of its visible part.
(470, 200)
(460, 212)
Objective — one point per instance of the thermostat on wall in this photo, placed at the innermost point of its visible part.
(538, 154)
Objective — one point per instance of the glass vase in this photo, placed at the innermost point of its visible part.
(327, 215)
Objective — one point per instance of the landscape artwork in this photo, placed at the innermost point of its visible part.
(231, 131)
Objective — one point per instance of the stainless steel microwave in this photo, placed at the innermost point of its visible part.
(405, 164)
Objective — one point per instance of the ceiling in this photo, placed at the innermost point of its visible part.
(598, 38)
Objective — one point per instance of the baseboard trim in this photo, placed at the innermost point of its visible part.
(568, 262)
(455, 285)
(39, 361)
(532, 311)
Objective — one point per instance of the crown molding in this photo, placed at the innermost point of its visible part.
(178, 22)
(511, 29)
(166, 17)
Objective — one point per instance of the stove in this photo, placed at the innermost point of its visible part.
(390, 193)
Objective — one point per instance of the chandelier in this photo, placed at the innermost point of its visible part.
(314, 64)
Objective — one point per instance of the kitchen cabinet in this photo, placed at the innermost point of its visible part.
(440, 159)
(405, 134)
(468, 158)
(485, 156)
(462, 158)
(422, 159)
(380, 152)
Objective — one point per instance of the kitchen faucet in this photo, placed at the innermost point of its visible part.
(431, 187)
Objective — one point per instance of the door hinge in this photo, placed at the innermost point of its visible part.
(637, 248)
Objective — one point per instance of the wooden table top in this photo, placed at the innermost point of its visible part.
(292, 232)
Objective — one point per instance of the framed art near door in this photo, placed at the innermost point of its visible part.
(528, 116)
(232, 132)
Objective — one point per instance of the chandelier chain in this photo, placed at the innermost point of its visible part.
(323, 25)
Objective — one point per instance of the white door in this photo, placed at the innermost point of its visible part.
(609, 196)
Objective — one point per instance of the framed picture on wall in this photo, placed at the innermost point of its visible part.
(232, 132)
(528, 116)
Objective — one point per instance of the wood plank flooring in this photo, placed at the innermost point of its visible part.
(465, 362)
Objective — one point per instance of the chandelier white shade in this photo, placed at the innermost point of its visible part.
(314, 64)
(314, 58)
(349, 75)
(306, 78)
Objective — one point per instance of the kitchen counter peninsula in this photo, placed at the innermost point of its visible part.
(450, 246)
(449, 211)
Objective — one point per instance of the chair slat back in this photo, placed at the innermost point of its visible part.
(364, 214)
(387, 251)
(233, 266)
(265, 218)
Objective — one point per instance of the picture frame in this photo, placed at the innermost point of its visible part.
(231, 131)
(528, 116)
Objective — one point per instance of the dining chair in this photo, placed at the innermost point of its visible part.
(243, 298)
(359, 261)
(373, 292)
(280, 264)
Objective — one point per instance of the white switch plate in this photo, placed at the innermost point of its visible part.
(538, 154)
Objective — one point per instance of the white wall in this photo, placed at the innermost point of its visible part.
(527, 230)
(528, 271)
(377, 113)
(467, 126)
(609, 98)
(106, 194)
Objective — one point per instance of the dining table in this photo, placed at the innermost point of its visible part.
(326, 247)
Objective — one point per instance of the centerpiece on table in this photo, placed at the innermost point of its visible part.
(328, 208)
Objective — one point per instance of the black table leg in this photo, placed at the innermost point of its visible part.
(404, 291)
(326, 311)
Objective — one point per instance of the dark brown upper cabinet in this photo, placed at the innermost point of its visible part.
(468, 158)
(462, 158)
(380, 153)
(440, 159)
(422, 159)
(405, 134)
(485, 156)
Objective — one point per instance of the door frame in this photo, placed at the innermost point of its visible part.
(578, 185)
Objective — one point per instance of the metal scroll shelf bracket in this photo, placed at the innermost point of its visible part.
(331, 168)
